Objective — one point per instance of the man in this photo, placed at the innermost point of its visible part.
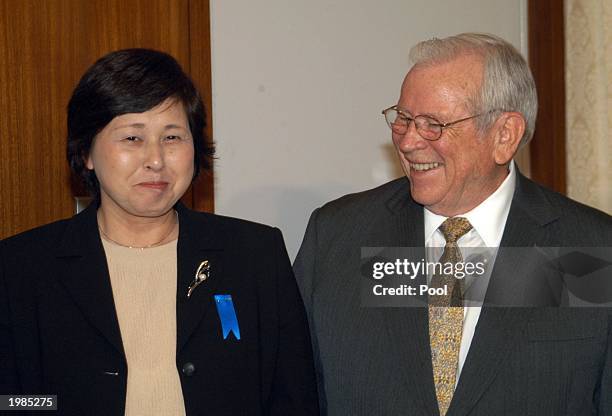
(465, 108)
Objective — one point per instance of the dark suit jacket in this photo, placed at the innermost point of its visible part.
(59, 332)
(522, 361)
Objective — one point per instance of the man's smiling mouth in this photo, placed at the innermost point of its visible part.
(420, 167)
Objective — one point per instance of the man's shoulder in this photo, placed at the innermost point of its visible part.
(380, 197)
(567, 215)
(566, 207)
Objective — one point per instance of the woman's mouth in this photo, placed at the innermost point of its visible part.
(158, 185)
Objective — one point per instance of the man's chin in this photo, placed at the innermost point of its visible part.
(423, 195)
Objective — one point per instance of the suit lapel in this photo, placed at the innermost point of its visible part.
(194, 248)
(492, 341)
(86, 278)
(88, 283)
(498, 327)
(408, 327)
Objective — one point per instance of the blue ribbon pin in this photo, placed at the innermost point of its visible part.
(227, 315)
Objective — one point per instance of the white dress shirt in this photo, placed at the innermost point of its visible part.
(488, 222)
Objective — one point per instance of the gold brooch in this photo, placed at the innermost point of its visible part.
(201, 275)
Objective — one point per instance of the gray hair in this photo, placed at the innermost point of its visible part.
(507, 85)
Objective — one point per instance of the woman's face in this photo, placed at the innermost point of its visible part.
(144, 161)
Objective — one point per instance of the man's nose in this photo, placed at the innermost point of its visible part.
(411, 140)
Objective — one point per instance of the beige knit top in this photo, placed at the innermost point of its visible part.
(144, 291)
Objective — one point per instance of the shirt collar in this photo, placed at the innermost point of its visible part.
(488, 218)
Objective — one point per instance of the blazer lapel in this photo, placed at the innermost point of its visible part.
(492, 340)
(408, 327)
(86, 278)
(195, 247)
(497, 326)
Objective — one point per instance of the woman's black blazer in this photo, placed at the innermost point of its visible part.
(59, 332)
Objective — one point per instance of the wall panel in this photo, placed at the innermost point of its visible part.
(45, 46)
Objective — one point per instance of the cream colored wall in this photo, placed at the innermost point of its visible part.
(298, 87)
(588, 79)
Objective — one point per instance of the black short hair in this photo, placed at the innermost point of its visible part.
(130, 81)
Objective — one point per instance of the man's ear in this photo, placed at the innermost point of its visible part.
(509, 129)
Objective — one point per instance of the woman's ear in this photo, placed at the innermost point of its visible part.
(88, 162)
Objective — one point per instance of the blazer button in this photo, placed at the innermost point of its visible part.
(188, 369)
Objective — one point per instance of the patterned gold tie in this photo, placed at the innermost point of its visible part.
(446, 316)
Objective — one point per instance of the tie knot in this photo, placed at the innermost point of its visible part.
(454, 228)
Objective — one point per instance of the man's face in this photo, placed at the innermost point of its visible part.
(457, 172)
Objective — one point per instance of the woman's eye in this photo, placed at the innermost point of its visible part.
(173, 138)
(131, 139)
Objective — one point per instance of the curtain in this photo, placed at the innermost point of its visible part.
(588, 77)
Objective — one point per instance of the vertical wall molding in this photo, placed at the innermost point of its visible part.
(547, 61)
(45, 47)
(200, 71)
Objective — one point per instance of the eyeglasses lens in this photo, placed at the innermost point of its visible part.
(427, 128)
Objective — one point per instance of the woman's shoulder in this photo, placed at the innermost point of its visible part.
(220, 228)
(46, 235)
(206, 219)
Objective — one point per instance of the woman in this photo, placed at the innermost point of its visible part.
(138, 305)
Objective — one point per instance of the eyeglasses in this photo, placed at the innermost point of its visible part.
(428, 127)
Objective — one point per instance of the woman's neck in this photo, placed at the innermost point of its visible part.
(125, 229)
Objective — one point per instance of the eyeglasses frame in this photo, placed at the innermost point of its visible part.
(441, 125)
